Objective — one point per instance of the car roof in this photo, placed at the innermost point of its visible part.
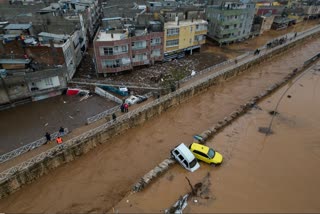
(185, 150)
(199, 147)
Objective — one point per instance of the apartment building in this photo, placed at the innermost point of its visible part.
(230, 21)
(123, 49)
(182, 37)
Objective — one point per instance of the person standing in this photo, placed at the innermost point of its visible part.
(48, 137)
(114, 117)
(122, 107)
(59, 140)
(126, 107)
(61, 131)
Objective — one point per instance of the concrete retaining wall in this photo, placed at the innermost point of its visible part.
(89, 140)
(212, 131)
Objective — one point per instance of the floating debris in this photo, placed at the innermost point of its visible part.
(273, 113)
(265, 130)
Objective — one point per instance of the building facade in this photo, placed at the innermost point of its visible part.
(230, 21)
(183, 36)
(117, 51)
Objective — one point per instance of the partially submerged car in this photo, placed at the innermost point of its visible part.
(206, 154)
(185, 157)
(133, 99)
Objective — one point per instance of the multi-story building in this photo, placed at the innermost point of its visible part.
(262, 24)
(120, 50)
(184, 36)
(230, 21)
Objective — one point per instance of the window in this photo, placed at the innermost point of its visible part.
(156, 41)
(200, 153)
(139, 57)
(185, 163)
(111, 63)
(174, 42)
(139, 45)
(235, 25)
(199, 37)
(226, 27)
(190, 41)
(211, 153)
(108, 51)
(176, 152)
(193, 163)
(191, 29)
(155, 53)
(173, 31)
(180, 157)
(48, 82)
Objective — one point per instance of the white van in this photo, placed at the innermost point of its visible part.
(185, 157)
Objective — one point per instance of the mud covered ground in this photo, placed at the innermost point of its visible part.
(209, 55)
(26, 123)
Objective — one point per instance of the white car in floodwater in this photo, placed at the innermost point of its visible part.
(184, 156)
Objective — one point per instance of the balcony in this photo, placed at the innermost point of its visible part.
(116, 69)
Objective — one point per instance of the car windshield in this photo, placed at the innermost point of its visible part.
(211, 153)
(193, 163)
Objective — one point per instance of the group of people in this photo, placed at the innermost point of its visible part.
(124, 107)
(59, 139)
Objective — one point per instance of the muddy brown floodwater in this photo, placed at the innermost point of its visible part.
(26, 123)
(98, 180)
(274, 173)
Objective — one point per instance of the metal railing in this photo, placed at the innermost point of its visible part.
(79, 139)
(28, 147)
(109, 112)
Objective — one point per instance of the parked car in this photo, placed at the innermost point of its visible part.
(185, 157)
(133, 99)
(206, 154)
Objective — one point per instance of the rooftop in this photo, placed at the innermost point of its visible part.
(54, 36)
(18, 26)
(184, 23)
(108, 36)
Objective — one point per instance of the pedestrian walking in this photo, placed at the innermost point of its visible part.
(61, 131)
(59, 140)
(114, 117)
(48, 137)
(126, 107)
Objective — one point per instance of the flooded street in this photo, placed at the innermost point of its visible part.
(274, 173)
(26, 123)
(98, 180)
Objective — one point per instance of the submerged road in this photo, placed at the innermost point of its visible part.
(99, 179)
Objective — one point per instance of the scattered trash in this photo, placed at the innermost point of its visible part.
(70, 117)
(193, 72)
(289, 96)
(64, 102)
(46, 124)
(195, 201)
(127, 201)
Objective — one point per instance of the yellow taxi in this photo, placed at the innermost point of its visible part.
(206, 154)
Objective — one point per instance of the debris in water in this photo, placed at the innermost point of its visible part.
(46, 124)
(195, 201)
(273, 112)
(301, 85)
(265, 130)
(289, 96)
(70, 117)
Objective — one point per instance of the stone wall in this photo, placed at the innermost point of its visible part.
(31, 170)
